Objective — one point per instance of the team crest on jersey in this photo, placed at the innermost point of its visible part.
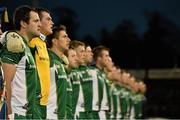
(55, 111)
(25, 106)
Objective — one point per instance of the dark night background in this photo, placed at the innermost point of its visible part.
(141, 34)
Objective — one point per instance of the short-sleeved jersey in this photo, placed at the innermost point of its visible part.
(39, 50)
(24, 82)
(56, 106)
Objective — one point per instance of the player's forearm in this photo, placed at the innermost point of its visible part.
(8, 99)
(9, 71)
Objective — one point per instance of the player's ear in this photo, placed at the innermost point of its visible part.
(23, 24)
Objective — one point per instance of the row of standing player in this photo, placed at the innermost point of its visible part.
(89, 87)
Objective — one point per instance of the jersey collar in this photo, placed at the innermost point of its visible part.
(42, 36)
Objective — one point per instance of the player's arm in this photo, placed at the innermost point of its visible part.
(9, 72)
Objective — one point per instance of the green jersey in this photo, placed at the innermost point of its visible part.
(95, 95)
(24, 83)
(115, 101)
(104, 91)
(77, 95)
(136, 111)
(69, 113)
(58, 91)
(87, 86)
(125, 102)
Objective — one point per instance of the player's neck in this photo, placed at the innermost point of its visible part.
(99, 66)
(57, 51)
(24, 34)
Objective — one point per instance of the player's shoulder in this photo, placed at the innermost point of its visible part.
(13, 35)
(14, 42)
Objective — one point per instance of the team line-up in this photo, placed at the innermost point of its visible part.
(48, 76)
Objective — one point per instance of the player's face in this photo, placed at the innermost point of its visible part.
(142, 87)
(72, 58)
(47, 23)
(109, 64)
(104, 57)
(88, 55)
(33, 27)
(134, 87)
(63, 41)
(125, 77)
(80, 50)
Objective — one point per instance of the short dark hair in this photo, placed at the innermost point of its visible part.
(22, 13)
(97, 51)
(75, 43)
(40, 10)
(55, 34)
